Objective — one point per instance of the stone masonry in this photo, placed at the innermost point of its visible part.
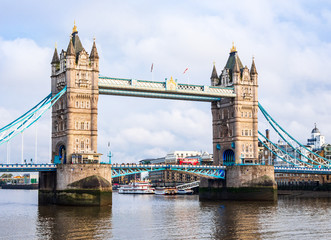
(235, 124)
(74, 116)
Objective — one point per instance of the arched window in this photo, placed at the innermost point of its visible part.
(87, 125)
(82, 104)
(87, 104)
(82, 125)
(77, 104)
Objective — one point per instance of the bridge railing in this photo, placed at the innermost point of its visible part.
(188, 185)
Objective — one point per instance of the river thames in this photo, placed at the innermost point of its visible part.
(163, 217)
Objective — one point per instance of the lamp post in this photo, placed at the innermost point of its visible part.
(109, 153)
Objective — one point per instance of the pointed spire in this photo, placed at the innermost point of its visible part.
(74, 29)
(70, 49)
(55, 58)
(233, 49)
(253, 68)
(94, 52)
(236, 68)
(214, 73)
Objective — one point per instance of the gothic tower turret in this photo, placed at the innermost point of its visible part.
(55, 61)
(214, 77)
(235, 130)
(74, 116)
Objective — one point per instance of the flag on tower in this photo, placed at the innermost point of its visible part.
(152, 68)
(185, 70)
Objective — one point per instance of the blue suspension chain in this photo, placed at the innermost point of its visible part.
(22, 122)
(268, 117)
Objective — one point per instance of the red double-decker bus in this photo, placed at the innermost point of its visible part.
(188, 161)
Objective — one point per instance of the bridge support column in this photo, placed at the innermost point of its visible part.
(76, 184)
(243, 182)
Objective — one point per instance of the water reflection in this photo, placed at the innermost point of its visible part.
(64, 222)
(236, 220)
(164, 217)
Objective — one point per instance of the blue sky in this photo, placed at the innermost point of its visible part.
(290, 41)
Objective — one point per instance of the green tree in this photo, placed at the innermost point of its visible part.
(6, 175)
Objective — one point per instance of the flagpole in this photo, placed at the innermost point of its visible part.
(188, 77)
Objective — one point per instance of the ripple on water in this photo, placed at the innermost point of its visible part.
(163, 217)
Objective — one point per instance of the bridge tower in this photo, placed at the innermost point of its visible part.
(235, 138)
(235, 125)
(74, 116)
(79, 179)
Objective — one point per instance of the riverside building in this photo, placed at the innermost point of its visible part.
(172, 178)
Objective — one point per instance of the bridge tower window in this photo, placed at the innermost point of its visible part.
(77, 104)
(87, 144)
(77, 144)
(87, 104)
(82, 125)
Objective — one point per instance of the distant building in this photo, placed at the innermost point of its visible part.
(327, 151)
(172, 178)
(172, 158)
(317, 140)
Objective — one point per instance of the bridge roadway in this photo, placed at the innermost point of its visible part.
(169, 89)
(128, 169)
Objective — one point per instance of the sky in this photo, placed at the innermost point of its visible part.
(290, 41)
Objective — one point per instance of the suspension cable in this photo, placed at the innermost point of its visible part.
(265, 112)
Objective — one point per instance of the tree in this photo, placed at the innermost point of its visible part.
(6, 175)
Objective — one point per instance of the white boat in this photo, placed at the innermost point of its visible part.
(165, 191)
(137, 187)
(187, 191)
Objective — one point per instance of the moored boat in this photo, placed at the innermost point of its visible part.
(165, 191)
(137, 187)
(186, 191)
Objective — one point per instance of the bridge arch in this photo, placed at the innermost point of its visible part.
(61, 153)
(228, 157)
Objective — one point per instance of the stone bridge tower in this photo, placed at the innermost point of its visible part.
(235, 124)
(74, 116)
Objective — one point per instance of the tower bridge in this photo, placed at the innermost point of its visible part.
(76, 175)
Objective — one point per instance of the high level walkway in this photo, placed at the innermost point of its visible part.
(169, 89)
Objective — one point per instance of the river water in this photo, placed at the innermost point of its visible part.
(163, 217)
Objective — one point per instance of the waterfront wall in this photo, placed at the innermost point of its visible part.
(243, 182)
(76, 184)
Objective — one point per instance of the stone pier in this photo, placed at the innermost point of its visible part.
(76, 184)
(243, 182)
